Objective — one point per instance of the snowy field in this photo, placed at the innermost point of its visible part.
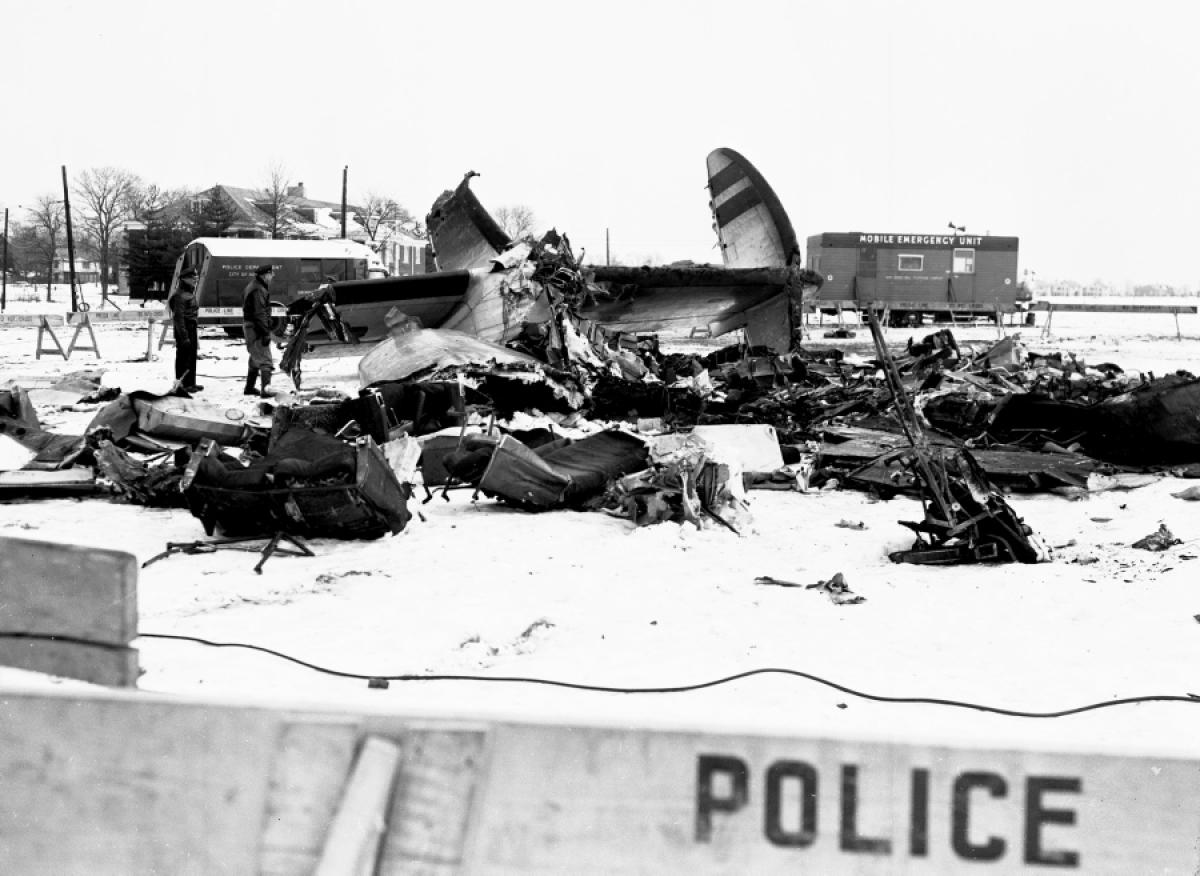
(474, 588)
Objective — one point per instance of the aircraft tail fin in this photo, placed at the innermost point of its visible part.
(752, 227)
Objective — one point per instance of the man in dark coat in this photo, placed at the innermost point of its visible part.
(185, 321)
(256, 325)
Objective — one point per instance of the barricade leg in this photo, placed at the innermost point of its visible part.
(84, 323)
(44, 329)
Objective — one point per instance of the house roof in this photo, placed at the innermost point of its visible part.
(249, 215)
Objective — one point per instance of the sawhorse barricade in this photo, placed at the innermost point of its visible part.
(1052, 307)
(45, 323)
(83, 321)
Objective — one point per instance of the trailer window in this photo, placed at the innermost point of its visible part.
(964, 261)
(310, 270)
(912, 262)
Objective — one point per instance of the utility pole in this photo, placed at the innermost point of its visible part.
(345, 172)
(70, 241)
(4, 267)
(607, 256)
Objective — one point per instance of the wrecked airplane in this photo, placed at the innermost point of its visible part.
(523, 375)
(489, 286)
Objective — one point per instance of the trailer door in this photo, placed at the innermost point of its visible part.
(866, 273)
(962, 274)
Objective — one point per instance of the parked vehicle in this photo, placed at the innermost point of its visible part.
(224, 265)
(944, 276)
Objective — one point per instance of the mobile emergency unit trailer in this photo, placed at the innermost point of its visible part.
(225, 265)
(946, 276)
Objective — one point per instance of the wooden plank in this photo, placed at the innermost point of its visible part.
(226, 312)
(559, 800)
(73, 592)
(139, 314)
(163, 785)
(108, 665)
(31, 319)
(311, 763)
(119, 784)
(68, 590)
(1086, 307)
(433, 805)
(352, 846)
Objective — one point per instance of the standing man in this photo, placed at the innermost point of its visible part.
(185, 321)
(256, 325)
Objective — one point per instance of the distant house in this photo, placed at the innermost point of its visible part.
(310, 219)
(304, 218)
(86, 270)
(247, 213)
(403, 255)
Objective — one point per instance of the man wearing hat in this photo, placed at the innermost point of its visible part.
(185, 321)
(256, 325)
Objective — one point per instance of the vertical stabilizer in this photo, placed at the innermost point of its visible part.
(752, 227)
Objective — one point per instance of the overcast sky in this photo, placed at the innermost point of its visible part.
(1071, 125)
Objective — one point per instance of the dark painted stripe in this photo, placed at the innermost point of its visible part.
(783, 225)
(444, 284)
(723, 179)
(744, 200)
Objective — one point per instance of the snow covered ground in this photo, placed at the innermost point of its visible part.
(474, 588)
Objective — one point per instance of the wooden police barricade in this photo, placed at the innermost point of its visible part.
(82, 320)
(167, 326)
(167, 785)
(45, 323)
(1052, 307)
(215, 314)
(85, 319)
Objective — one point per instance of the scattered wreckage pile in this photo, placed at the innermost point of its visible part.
(568, 416)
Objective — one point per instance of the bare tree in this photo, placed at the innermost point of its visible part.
(382, 217)
(47, 219)
(277, 200)
(107, 194)
(517, 220)
(148, 199)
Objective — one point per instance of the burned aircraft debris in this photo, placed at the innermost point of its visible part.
(521, 333)
(966, 520)
(308, 485)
